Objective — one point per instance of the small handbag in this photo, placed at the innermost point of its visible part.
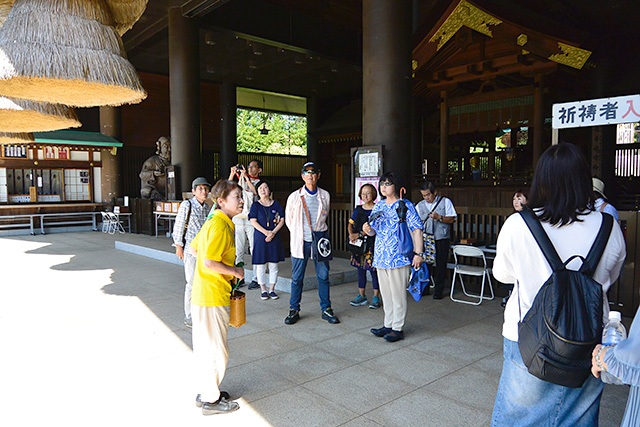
(429, 248)
(359, 246)
(237, 313)
(418, 281)
(320, 243)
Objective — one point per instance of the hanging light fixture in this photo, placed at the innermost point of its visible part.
(264, 130)
(67, 52)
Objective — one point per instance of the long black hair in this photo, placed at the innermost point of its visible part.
(561, 188)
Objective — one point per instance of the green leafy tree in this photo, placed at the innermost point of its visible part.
(287, 133)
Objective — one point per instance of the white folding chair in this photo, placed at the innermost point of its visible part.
(470, 270)
(106, 222)
(116, 225)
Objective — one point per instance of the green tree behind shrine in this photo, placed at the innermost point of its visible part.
(287, 133)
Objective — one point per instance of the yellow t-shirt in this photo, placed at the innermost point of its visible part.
(214, 241)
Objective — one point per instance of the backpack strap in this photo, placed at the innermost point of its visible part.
(548, 250)
(593, 257)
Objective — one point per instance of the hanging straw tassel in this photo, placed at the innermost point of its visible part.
(5, 7)
(125, 13)
(21, 115)
(65, 52)
(16, 138)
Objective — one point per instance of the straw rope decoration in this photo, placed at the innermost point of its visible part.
(21, 115)
(16, 138)
(65, 52)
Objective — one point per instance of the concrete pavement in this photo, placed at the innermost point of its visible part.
(93, 336)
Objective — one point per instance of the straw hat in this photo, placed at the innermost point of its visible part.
(598, 186)
(125, 13)
(20, 115)
(16, 138)
(65, 52)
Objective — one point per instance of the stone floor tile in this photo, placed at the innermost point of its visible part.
(357, 386)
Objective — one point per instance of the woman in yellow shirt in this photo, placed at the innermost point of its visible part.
(214, 249)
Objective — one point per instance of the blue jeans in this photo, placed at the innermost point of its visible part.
(525, 400)
(298, 267)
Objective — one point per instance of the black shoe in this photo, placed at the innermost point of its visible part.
(240, 284)
(438, 296)
(329, 316)
(253, 285)
(223, 394)
(222, 406)
(380, 332)
(292, 318)
(394, 336)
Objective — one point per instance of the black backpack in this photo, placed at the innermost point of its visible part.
(564, 324)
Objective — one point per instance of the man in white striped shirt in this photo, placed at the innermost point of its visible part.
(192, 214)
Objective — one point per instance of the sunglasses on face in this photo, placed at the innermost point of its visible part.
(309, 172)
(386, 184)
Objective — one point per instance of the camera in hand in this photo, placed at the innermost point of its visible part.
(240, 167)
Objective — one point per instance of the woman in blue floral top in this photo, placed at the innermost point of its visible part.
(393, 268)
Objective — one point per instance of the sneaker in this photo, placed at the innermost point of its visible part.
(222, 406)
(188, 323)
(329, 316)
(375, 303)
(223, 394)
(380, 332)
(358, 301)
(292, 318)
(394, 336)
(264, 295)
(273, 295)
(253, 285)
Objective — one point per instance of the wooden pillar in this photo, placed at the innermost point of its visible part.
(110, 175)
(313, 148)
(444, 134)
(386, 73)
(184, 94)
(229, 150)
(491, 140)
(538, 118)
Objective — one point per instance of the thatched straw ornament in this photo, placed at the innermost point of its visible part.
(21, 115)
(16, 138)
(65, 52)
(5, 7)
(125, 13)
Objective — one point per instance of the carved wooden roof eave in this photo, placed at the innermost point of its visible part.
(463, 13)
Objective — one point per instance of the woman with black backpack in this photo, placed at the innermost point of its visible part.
(560, 201)
(361, 247)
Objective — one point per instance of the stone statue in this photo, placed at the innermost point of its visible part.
(152, 175)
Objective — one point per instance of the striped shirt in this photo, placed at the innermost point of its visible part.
(197, 218)
(312, 205)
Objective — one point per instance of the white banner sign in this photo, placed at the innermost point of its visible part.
(597, 112)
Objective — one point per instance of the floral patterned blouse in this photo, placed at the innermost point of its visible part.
(386, 253)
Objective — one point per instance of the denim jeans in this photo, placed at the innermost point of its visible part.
(525, 400)
(298, 267)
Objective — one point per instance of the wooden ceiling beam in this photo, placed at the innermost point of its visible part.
(537, 67)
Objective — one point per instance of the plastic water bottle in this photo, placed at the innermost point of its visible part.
(613, 333)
